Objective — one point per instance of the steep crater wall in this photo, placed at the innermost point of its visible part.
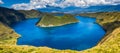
(108, 20)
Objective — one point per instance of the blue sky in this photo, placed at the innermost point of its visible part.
(9, 3)
(38, 4)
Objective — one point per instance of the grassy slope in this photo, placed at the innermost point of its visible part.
(108, 20)
(8, 39)
(9, 16)
(110, 45)
(49, 20)
(31, 13)
(7, 35)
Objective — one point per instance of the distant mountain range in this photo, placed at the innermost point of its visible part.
(105, 8)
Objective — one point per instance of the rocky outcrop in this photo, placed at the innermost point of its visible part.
(49, 20)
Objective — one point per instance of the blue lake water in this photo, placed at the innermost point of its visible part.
(79, 36)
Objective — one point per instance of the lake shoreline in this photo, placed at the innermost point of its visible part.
(7, 45)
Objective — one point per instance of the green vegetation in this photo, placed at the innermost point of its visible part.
(49, 20)
(8, 44)
(9, 16)
(31, 13)
(110, 45)
(104, 17)
(8, 39)
(110, 21)
(7, 35)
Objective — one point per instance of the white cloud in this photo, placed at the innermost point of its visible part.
(63, 3)
(1, 2)
(23, 6)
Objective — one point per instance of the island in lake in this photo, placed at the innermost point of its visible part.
(94, 29)
(49, 20)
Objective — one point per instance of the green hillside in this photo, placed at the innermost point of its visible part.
(49, 20)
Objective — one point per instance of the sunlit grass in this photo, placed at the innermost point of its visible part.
(8, 39)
